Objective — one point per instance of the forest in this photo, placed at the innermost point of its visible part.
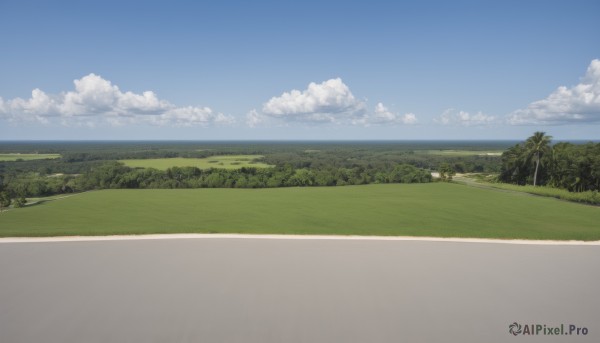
(94, 165)
(574, 167)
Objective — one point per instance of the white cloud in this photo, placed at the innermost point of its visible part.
(578, 104)
(409, 118)
(37, 108)
(382, 115)
(329, 101)
(454, 117)
(254, 119)
(96, 100)
(189, 116)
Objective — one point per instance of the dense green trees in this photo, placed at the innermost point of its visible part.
(93, 165)
(575, 167)
(116, 175)
(446, 172)
(4, 200)
(405, 173)
(20, 202)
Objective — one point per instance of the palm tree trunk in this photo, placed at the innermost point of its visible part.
(537, 164)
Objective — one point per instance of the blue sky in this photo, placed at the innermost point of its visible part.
(299, 70)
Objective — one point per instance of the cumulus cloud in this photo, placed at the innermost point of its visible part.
(577, 104)
(37, 108)
(254, 119)
(409, 118)
(454, 117)
(329, 101)
(188, 116)
(97, 100)
(383, 116)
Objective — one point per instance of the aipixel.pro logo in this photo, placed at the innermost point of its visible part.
(516, 329)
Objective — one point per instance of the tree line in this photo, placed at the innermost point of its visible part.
(574, 167)
(115, 175)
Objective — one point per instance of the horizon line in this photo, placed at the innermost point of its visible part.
(296, 140)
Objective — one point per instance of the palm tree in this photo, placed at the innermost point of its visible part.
(514, 165)
(536, 146)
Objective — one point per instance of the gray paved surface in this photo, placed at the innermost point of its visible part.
(253, 290)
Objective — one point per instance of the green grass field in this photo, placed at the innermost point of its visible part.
(27, 157)
(225, 161)
(435, 209)
(588, 197)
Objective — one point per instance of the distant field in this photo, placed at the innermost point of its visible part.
(464, 152)
(27, 157)
(435, 209)
(225, 161)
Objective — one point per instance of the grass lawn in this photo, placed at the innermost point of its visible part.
(225, 161)
(27, 157)
(435, 209)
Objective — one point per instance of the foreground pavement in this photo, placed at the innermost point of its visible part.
(235, 289)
